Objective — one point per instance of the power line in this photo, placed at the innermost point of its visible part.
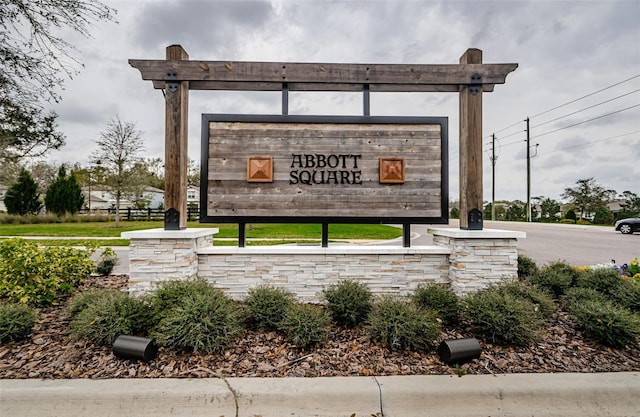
(588, 95)
(593, 142)
(513, 134)
(567, 103)
(505, 128)
(587, 108)
(585, 121)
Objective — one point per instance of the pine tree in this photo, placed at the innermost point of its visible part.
(64, 194)
(22, 197)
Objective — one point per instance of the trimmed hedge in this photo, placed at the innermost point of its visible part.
(306, 325)
(349, 302)
(16, 322)
(439, 298)
(268, 305)
(108, 315)
(402, 325)
(504, 318)
(205, 322)
(555, 278)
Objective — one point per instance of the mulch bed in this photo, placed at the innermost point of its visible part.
(50, 353)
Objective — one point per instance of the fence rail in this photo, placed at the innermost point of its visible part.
(148, 214)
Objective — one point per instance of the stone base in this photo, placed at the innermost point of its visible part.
(479, 258)
(467, 260)
(158, 255)
(307, 270)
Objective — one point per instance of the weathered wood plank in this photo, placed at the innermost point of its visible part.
(264, 86)
(230, 143)
(337, 212)
(470, 145)
(323, 73)
(176, 142)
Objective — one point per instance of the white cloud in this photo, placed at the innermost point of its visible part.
(565, 50)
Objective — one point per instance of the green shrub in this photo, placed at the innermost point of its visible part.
(568, 221)
(578, 295)
(605, 280)
(583, 222)
(109, 314)
(108, 260)
(203, 322)
(571, 215)
(401, 325)
(37, 276)
(503, 318)
(438, 298)
(268, 305)
(542, 301)
(555, 278)
(170, 294)
(627, 294)
(52, 218)
(608, 323)
(306, 325)
(349, 302)
(16, 322)
(526, 266)
(82, 300)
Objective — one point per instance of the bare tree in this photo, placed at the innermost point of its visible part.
(34, 62)
(118, 149)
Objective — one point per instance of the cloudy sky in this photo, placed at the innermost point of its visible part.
(578, 78)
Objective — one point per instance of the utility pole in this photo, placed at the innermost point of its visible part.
(528, 173)
(493, 176)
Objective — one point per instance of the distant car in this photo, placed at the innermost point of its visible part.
(629, 225)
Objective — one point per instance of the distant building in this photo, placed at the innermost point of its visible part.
(101, 197)
(151, 198)
(193, 196)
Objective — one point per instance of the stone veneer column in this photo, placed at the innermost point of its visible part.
(479, 258)
(158, 255)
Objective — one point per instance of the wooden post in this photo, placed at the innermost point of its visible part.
(470, 143)
(176, 141)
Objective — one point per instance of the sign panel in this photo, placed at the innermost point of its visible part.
(307, 169)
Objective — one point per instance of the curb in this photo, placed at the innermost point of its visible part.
(602, 394)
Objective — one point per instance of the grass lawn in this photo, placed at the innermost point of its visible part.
(286, 233)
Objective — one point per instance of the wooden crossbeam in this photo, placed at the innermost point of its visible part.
(269, 76)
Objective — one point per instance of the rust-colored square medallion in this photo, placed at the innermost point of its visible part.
(392, 170)
(259, 169)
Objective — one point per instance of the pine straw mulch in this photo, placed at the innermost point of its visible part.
(50, 353)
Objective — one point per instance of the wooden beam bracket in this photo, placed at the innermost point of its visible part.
(172, 81)
(475, 86)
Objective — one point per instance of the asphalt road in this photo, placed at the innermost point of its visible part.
(575, 244)
(545, 243)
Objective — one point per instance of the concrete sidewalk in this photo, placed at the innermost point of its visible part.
(604, 394)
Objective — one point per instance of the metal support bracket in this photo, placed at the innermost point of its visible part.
(475, 86)
(172, 81)
(285, 99)
(172, 219)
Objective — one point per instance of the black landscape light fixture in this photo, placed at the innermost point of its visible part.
(135, 347)
(459, 350)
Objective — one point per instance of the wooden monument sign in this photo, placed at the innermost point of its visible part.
(304, 169)
(322, 169)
